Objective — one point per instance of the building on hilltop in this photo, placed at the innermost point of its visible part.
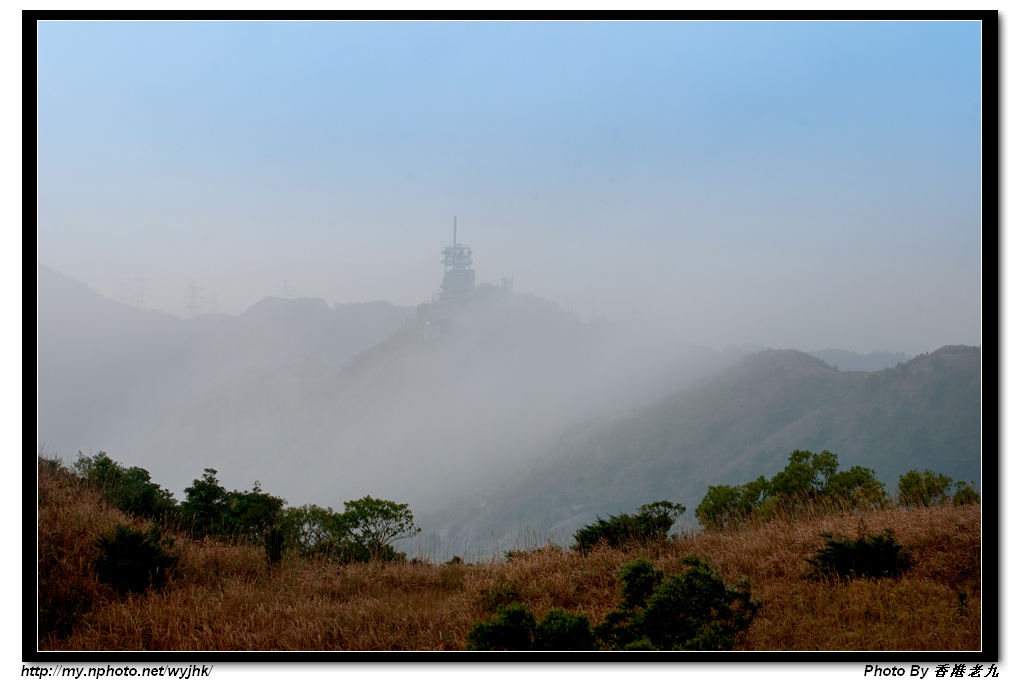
(458, 293)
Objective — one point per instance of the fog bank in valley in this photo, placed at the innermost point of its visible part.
(325, 404)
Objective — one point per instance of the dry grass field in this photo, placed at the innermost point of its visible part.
(225, 597)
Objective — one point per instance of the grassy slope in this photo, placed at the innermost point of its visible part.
(224, 597)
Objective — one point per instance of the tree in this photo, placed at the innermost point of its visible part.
(253, 513)
(731, 504)
(924, 488)
(205, 504)
(966, 493)
(314, 530)
(857, 486)
(805, 475)
(373, 524)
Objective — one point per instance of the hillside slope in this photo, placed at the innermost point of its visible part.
(734, 426)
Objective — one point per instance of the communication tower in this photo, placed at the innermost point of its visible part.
(458, 277)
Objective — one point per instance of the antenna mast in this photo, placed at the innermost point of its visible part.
(455, 230)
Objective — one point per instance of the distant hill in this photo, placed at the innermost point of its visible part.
(849, 361)
(732, 427)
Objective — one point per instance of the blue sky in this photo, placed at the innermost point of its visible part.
(805, 184)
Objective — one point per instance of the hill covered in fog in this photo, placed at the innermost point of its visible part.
(734, 426)
(326, 404)
(111, 377)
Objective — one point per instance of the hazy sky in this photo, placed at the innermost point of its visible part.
(804, 185)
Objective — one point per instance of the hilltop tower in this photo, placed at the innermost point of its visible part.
(458, 277)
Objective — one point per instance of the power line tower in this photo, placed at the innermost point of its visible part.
(139, 293)
(193, 299)
(133, 293)
(285, 289)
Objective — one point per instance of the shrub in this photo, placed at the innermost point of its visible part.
(692, 610)
(639, 579)
(133, 561)
(924, 488)
(696, 610)
(274, 547)
(650, 523)
(512, 629)
(128, 489)
(875, 556)
(561, 630)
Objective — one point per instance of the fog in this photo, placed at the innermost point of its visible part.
(657, 192)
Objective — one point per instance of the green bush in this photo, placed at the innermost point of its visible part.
(512, 629)
(561, 630)
(650, 523)
(639, 579)
(128, 489)
(872, 556)
(692, 610)
(133, 561)
(925, 488)
(696, 610)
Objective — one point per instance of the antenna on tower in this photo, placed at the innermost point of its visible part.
(455, 230)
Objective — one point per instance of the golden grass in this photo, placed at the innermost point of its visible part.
(224, 596)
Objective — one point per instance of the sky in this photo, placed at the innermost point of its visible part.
(805, 184)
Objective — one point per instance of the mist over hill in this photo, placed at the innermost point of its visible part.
(111, 377)
(730, 428)
(324, 404)
(518, 416)
(849, 361)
